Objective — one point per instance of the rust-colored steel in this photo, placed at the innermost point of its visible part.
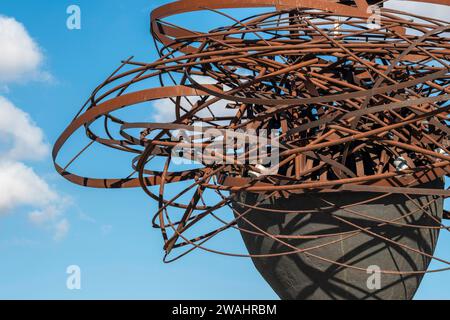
(358, 110)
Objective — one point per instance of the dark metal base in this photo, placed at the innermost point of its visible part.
(300, 276)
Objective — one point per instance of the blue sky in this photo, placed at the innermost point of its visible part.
(107, 233)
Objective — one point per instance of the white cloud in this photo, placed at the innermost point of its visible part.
(21, 58)
(20, 186)
(22, 140)
(18, 132)
(165, 108)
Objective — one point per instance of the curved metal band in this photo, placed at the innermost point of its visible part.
(164, 32)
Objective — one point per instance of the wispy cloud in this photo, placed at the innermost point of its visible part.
(106, 229)
(61, 230)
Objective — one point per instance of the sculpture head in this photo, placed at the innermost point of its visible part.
(355, 108)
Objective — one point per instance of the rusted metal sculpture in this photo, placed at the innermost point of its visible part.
(361, 115)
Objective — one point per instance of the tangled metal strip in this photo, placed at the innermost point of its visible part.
(357, 109)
